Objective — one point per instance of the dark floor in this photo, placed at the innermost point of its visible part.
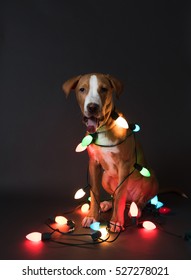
(22, 214)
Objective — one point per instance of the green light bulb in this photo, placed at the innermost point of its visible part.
(87, 140)
(145, 172)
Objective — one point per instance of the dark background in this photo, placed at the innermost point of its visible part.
(146, 44)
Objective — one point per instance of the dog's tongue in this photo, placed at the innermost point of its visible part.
(92, 125)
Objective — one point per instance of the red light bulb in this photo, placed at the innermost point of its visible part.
(164, 210)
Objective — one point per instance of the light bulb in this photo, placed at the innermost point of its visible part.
(61, 220)
(164, 210)
(133, 210)
(87, 140)
(34, 236)
(120, 121)
(95, 226)
(80, 148)
(79, 194)
(148, 225)
(85, 208)
(154, 201)
(104, 232)
(37, 236)
(143, 170)
(134, 127)
(159, 205)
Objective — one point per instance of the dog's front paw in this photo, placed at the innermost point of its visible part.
(87, 221)
(116, 226)
(105, 205)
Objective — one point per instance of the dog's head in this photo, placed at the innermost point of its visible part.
(94, 95)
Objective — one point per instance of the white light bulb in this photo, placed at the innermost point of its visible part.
(149, 225)
(104, 232)
(133, 209)
(80, 148)
(34, 236)
(79, 194)
(120, 121)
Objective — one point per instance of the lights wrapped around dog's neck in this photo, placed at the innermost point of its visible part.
(91, 137)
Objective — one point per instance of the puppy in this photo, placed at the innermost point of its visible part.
(115, 153)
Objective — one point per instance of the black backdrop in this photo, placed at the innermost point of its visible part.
(146, 44)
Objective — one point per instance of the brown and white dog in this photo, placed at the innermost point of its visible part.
(112, 156)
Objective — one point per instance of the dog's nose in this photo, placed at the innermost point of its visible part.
(93, 108)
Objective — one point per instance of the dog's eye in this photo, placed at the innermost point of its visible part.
(82, 89)
(103, 89)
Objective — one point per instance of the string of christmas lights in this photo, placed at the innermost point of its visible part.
(100, 230)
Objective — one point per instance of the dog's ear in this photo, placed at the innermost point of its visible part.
(70, 84)
(116, 84)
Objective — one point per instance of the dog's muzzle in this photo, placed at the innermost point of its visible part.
(92, 124)
(91, 118)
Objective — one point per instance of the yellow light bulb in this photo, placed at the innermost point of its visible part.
(85, 208)
(61, 220)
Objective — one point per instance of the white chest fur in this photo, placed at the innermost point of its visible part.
(106, 157)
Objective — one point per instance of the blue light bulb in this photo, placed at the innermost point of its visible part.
(95, 226)
(154, 200)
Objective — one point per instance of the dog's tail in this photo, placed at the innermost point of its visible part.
(175, 191)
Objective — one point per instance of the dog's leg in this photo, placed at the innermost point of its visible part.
(95, 183)
(109, 183)
(119, 203)
(117, 219)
